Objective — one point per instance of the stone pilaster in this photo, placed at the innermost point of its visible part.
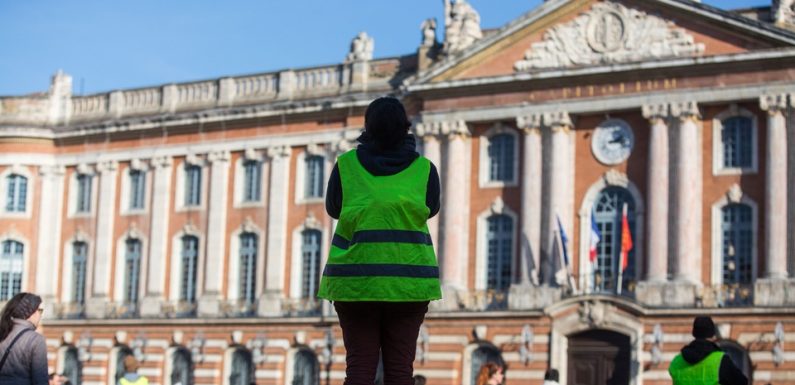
(270, 304)
(658, 192)
(158, 237)
(431, 147)
(532, 174)
(558, 200)
(775, 186)
(791, 190)
(96, 304)
(48, 258)
(210, 301)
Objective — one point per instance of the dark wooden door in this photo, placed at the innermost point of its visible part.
(598, 357)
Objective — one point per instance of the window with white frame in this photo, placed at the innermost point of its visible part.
(252, 182)
(137, 189)
(738, 233)
(242, 368)
(499, 241)
(310, 258)
(83, 197)
(72, 368)
(737, 138)
(79, 261)
(313, 178)
(306, 368)
(501, 158)
(193, 185)
(182, 367)
(608, 211)
(132, 270)
(16, 193)
(190, 258)
(248, 267)
(11, 269)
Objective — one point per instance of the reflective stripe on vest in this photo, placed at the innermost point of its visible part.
(706, 372)
(381, 249)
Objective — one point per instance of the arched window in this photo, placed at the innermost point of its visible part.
(248, 267)
(737, 230)
(740, 356)
(608, 210)
(310, 257)
(252, 183)
(190, 258)
(501, 158)
(16, 192)
(242, 368)
(499, 240)
(79, 261)
(181, 367)
(313, 184)
(72, 369)
(132, 270)
(11, 266)
(123, 352)
(482, 355)
(306, 368)
(737, 136)
(137, 189)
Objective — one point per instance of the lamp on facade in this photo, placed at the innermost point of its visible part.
(84, 346)
(526, 347)
(257, 347)
(137, 345)
(423, 343)
(196, 346)
(778, 346)
(656, 347)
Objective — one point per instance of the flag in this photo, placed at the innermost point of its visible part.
(595, 238)
(563, 241)
(626, 239)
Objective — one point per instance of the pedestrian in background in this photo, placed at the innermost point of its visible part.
(131, 376)
(490, 373)
(23, 351)
(703, 362)
(552, 377)
(382, 270)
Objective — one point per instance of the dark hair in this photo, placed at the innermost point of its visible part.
(552, 375)
(22, 306)
(420, 379)
(386, 123)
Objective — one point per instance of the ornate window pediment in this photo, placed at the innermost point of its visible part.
(609, 33)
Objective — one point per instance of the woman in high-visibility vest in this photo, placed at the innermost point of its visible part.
(382, 270)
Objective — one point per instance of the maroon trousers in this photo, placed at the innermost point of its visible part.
(388, 327)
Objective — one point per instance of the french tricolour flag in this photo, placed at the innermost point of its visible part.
(595, 238)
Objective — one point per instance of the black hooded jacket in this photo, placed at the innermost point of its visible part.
(729, 373)
(381, 163)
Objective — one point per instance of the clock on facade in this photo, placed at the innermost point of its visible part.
(612, 141)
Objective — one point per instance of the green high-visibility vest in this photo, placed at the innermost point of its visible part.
(706, 372)
(381, 250)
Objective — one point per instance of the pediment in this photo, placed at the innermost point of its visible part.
(563, 34)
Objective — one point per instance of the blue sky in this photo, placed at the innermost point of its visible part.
(108, 45)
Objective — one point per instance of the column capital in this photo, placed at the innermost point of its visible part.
(558, 121)
(424, 130)
(218, 156)
(159, 162)
(687, 110)
(654, 112)
(107, 166)
(278, 152)
(773, 103)
(52, 171)
(529, 124)
(455, 129)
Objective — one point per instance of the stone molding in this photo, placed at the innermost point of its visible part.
(659, 111)
(107, 166)
(530, 124)
(685, 110)
(278, 152)
(455, 129)
(609, 33)
(159, 162)
(218, 156)
(558, 121)
(773, 103)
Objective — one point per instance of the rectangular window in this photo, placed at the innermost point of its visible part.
(137, 189)
(193, 185)
(313, 184)
(17, 193)
(11, 266)
(310, 255)
(84, 193)
(190, 256)
(253, 181)
(132, 270)
(737, 142)
(248, 267)
(501, 158)
(79, 259)
(500, 246)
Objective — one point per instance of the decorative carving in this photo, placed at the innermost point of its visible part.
(311, 221)
(593, 312)
(190, 228)
(461, 26)
(193, 160)
(784, 12)
(773, 103)
(685, 110)
(656, 111)
(498, 206)
(558, 120)
(530, 123)
(362, 47)
(107, 166)
(52, 171)
(609, 33)
(614, 177)
(248, 225)
(279, 152)
(251, 154)
(137, 164)
(735, 194)
(218, 156)
(455, 128)
(428, 29)
(161, 161)
(83, 168)
(315, 149)
(428, 129)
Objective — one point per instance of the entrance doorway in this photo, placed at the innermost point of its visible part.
(598, 357)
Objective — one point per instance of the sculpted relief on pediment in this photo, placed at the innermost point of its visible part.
(609, 33)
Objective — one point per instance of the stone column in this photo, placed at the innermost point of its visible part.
(791, 190)
(657, 192)
(48, 259)
(560, 185)
(431, 148)
(215, 251)
(531, 177)
(687, 200)
(270, 304)
(106, 213)
(775, 186)
(158, 237)
(455, 214)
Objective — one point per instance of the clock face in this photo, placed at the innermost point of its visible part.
(612, 141)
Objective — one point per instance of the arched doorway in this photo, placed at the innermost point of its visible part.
(599, 357)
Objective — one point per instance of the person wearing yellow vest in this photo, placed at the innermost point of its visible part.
(382, 271)
(131, 377)
(703, 362)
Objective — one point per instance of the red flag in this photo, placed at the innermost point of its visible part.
(626, 240)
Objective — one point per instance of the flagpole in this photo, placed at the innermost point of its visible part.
(622, 254)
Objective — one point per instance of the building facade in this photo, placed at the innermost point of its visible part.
(185, 223)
